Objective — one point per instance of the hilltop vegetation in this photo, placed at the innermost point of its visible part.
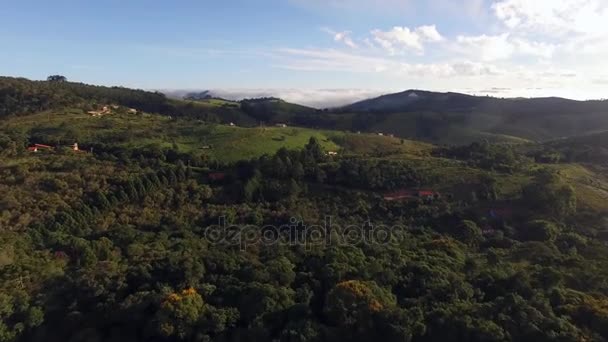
(433, 115)
(446, 118)
(208, 141)
(169, 226)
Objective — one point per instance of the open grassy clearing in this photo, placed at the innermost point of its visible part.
(221, 142)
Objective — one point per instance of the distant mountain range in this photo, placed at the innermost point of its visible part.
(450, 118)
(454, 117)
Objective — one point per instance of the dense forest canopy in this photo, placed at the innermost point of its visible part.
(153, 231)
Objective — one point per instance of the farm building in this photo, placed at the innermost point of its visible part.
(37, 147)
(409, 194)
(217, 176)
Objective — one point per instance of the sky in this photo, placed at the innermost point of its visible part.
(316, 52)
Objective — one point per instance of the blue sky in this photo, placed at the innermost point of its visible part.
(314, 51)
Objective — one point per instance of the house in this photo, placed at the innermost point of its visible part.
(231, 124)
(281, 125)
(75, 147)
(132, 111)
(380, 134)
(40, 146)
(400, 194)
(428, 194)
(217, 176)
(332, 153)
(37, 147)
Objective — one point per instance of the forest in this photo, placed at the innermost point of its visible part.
(149, 241)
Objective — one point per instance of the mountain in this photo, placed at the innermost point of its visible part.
(459, 118)
(444, 118)
(203, 95)
(415, 100)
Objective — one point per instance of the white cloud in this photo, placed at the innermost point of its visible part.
(429, 33)
(487, 48)
(502, 47)
(554, 17)
(343, 37)
(402, 38)
(333, 60)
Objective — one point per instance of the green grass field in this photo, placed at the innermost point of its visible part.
(221, 142)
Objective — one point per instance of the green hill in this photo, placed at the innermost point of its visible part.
(224, 143)
(445, 118)
(463, 118)
(168, 226)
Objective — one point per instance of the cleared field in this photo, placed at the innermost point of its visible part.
(221, 142)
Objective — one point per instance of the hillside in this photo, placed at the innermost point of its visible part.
(169, 226)
(444, 118)
(223, 143)
(430, 115)
(589, 148)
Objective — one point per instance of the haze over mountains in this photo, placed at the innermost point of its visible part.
(331, 98)
(445, 118)
(459, 118)
(316, 98)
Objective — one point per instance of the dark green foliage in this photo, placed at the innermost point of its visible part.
(119, 244)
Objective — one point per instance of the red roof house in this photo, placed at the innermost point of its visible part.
(43, 146)
(400, 194)
(217, 176)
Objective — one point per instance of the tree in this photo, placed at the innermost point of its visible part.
(179, 313)
(539, 230)
(468, 232)
(56, 78)
(353, 302)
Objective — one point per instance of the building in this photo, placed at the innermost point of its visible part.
(281, 125)
(332, 153)
(38, 147)
(400, 195)
(231, 124)
(428, 194)
(75, 146)
(41, 146)
(217, 176)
